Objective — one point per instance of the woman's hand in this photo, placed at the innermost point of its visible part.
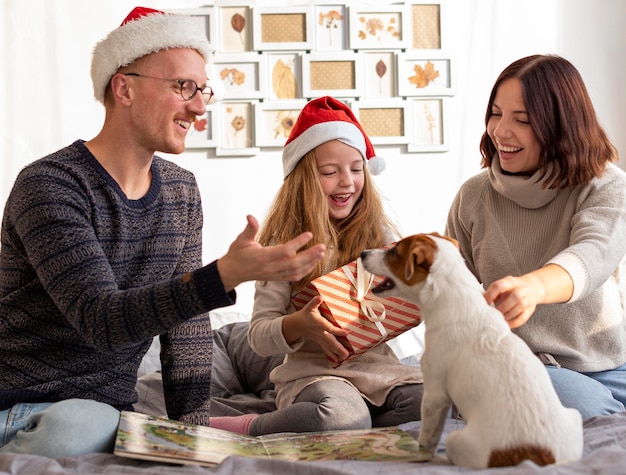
(518, 297)
(309, 324)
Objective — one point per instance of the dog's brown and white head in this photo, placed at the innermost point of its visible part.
(406, 265)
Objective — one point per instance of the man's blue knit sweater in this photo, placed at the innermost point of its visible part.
(88, 277)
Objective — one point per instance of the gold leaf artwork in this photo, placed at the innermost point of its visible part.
(284, 81)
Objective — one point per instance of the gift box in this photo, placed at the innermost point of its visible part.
(349, 304)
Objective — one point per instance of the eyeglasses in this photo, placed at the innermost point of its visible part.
(188, 87)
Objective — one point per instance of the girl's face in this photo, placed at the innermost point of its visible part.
(510, 131)
(340, 168)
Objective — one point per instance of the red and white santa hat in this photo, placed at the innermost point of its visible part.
(142, 32)
(322, 120)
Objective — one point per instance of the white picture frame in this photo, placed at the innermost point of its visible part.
(331, 27)
(424, 73)
(234, 23)
(282, 28)
(385, 121)
(426, 24)
(236, 129)
(332, 74)
(284, 75)
(274, 121)
(206, 16)
(428, 124)
(204, 131)
(379, 74)
(242, 75)
(384, 27)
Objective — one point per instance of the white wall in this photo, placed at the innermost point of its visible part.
(47, 99)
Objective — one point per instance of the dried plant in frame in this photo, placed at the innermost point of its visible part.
(237, 126)
(284, 75)
(274, 121)
(234, 24)
(379, 73)
(203, 132)
(428, 126)
(242, 75)
(378, 28)
(330, 27)
(422, 73)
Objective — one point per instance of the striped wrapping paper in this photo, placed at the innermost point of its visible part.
(348, 303)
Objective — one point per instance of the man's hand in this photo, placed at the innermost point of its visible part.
(247, 260)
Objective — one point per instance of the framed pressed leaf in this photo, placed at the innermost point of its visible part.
(203, 132)
(379, 74)
(284, 74)
(424, 73)
(235, 26)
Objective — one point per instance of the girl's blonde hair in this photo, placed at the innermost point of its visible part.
(301, 205)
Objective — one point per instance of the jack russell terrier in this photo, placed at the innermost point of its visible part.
(473, 360)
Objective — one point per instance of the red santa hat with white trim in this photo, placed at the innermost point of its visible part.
(142, 32)
(322, 120)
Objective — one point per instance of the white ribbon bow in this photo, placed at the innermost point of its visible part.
(362, 285)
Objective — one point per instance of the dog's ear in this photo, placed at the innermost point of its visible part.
(420, 259)
(451, 239)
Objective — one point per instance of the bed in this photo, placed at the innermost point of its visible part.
(240, 385)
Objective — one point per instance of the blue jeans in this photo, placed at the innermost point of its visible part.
(593, 394)
(62, 429)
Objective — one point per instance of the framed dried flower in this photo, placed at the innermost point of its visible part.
(378, 28)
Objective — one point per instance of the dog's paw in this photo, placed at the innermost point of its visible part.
(423, 455)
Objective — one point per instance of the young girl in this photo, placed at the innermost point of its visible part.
(328, 191)
(543, 229)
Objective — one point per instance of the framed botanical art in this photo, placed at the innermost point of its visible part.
(235, 27)
(332, 74)
(282, 28)
(237, 129)
(384, 121)
(242, 75)
(331, 27)
(379, 74)
(428, 125)
(284, 75)
(274, 121)
(425, 18)
(203, 132)
(422, 73)
(378, 28)
(205, 16)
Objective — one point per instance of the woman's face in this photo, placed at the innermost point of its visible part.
(510, 131)
(340, 169)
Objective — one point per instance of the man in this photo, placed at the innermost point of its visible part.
(101, 251)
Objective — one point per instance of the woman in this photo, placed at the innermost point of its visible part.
(543, 228)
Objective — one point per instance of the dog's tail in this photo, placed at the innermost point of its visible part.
(516, 455)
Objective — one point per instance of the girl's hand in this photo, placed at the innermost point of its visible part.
(309, 324)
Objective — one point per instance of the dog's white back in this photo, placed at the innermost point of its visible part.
(474, 361)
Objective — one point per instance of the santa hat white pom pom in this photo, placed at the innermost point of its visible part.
(376, 165)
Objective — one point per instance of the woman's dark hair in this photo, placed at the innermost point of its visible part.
(562, 117)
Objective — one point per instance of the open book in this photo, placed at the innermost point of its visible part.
(152, 438)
